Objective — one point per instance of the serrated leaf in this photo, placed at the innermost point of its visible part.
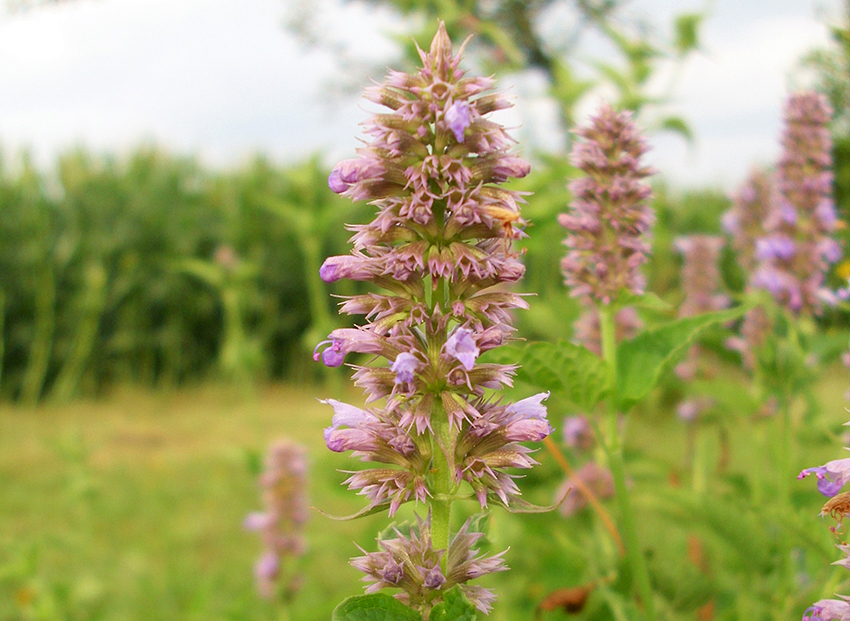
(454, 607)
(643, 361)
(565, 368)
(374, 607)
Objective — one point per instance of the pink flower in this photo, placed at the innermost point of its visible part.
(461, 345)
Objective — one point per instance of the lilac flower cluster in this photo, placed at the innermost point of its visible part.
(610, 214)
(745, 220)
(439, 250)
(595, 477)
(797, 247)
(700, 274)
(701, 283)
(281, 525)
(410, 562)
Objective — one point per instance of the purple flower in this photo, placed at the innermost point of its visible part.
(332, 356)
(578, 433)
(796, 248)
(432, 578)
(405, 367)
(828, 610)
(257, 521)
(745, 221)
(530, 408)
(461, 345)
(610, 214)
(409, 562)
(353, 267)
(438, 253)
(832, 476)
(778, 247)
(281, 525)
(595, 477)
(458, 118)
(336, 184)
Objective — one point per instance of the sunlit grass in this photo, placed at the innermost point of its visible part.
(131, 506)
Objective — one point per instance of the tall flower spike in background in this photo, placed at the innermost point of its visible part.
(281, 525)
(701, 285)
(438, 250)
(798, 247)
(744, 221)
(610, 214)
(608, 228)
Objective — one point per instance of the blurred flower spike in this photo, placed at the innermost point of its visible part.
(281, 524)
(610, 216)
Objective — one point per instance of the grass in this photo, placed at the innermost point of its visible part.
(130, 507)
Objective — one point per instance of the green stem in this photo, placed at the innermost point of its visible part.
(441, 503)
(628, 525)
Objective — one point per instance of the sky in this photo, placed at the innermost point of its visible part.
(224, 79)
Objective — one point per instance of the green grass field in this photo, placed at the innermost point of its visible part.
(131, 507)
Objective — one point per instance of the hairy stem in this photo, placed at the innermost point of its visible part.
(441, 503)
(628, 524)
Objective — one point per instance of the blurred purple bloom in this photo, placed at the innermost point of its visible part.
(405, 367)
(458, 118)
(461, 345)
(578, 432)
(828, 610)
(613, 197)
(778, 247)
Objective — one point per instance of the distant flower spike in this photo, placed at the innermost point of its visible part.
(281, 525)
(797, 246)
(610, 214)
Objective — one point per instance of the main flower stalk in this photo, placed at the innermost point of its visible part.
(439, 254)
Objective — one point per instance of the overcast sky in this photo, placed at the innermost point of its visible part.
(224, 79)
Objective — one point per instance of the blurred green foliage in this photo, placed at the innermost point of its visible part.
(150, 269)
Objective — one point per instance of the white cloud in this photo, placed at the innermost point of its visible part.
(225, 79)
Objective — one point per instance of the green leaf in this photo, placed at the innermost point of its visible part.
(367, 510)
(374, 607)
(454, 607)
(678, 125)
(564, 368)
(687, 32)
(648, 301)
(643, 361)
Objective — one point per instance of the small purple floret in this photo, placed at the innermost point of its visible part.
(433, 578)
(392, 572)
(329, 272)
(256, 521)
(336, 184)
(458, 118)
(332, 356)
(405, 367)
(462, 346)
(832, 476)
